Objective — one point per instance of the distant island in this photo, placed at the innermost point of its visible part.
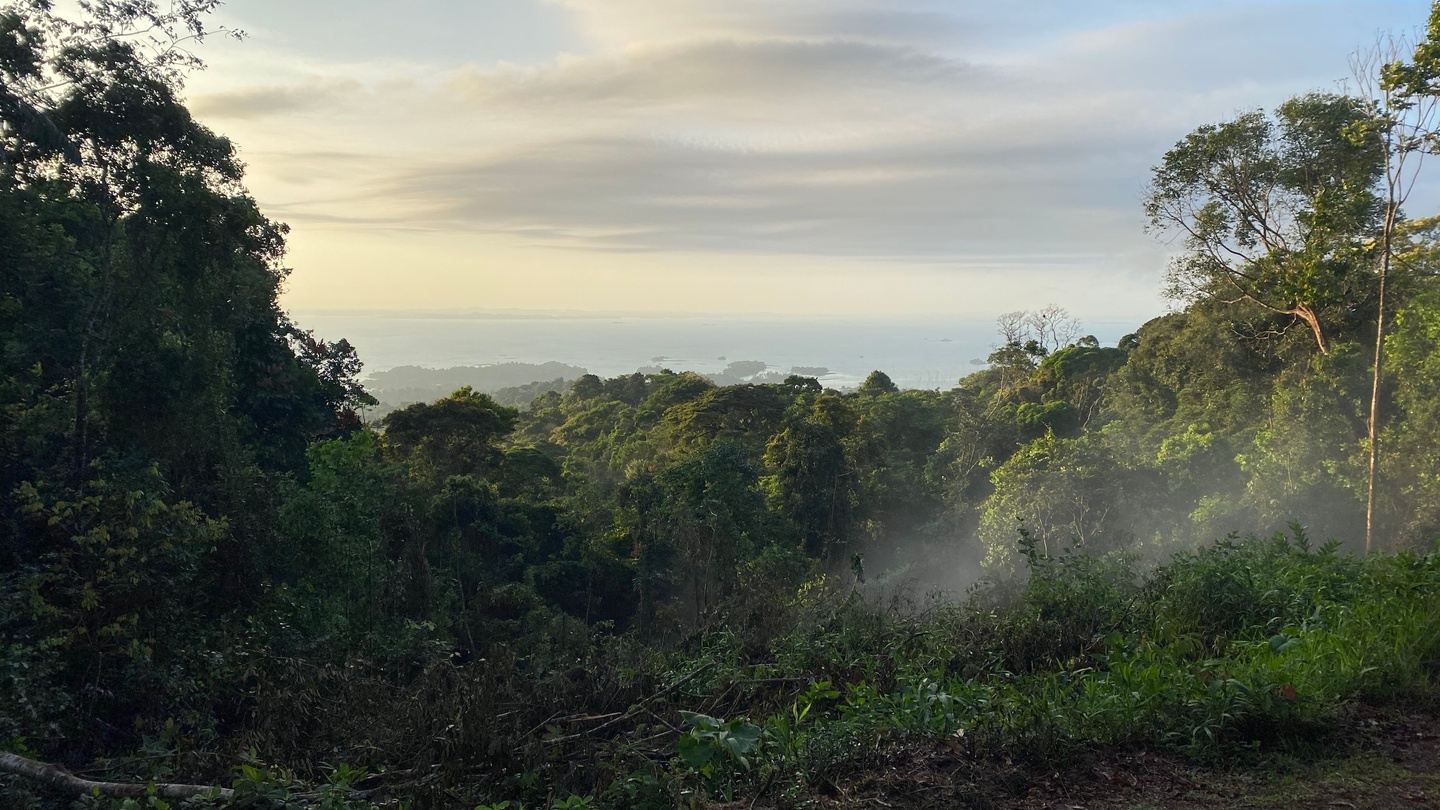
(514, 384)
(518, 384)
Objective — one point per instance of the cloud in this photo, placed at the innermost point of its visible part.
(616, 23)
(913, 132)
(931, 200)
(243, 103)
(1283, 45)
(706, 71)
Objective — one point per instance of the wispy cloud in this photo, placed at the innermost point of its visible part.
(257, 101)
(929, 199)
(703, 72)
(624, 22)
(962, 134)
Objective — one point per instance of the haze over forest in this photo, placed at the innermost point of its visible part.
(771, 403)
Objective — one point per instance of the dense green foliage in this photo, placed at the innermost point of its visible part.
(654, 589)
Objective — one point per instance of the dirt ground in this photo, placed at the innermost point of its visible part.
(1380, 760)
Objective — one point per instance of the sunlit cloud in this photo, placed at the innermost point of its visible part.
(912, 133)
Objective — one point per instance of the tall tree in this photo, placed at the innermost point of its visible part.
(810, 481)
(1402, 116)
(154, 393)
(1276, 212)
(457, 435)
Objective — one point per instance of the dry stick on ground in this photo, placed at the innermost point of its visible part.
(634, 710)
(62, 780)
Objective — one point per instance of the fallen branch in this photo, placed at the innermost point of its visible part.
(634, 710)
(58, 778)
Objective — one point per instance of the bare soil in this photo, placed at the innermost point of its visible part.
(1376, 760)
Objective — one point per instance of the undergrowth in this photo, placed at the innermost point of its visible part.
(1243, 645)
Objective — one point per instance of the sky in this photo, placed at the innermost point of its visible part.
(805, 157)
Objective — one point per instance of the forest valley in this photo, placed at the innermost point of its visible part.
(219, 586)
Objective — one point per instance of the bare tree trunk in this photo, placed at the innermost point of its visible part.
(1306, 314)
(91, 346)
(61, 780)
(1407, 119)
(1372, 426)
(82, 408)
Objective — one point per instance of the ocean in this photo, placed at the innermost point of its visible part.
(919, 352)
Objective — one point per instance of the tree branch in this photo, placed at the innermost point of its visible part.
(57, 778)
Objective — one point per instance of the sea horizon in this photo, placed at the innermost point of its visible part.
(932, 351)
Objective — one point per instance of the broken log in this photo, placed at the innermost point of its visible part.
(59, 779)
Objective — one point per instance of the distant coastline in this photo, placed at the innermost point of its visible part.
(916, 352)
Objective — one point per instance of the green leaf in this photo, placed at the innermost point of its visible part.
(695, 753)
(743, 736)
(701, 721)
(1281, 642)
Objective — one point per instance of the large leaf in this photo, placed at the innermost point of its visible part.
(695, 752)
